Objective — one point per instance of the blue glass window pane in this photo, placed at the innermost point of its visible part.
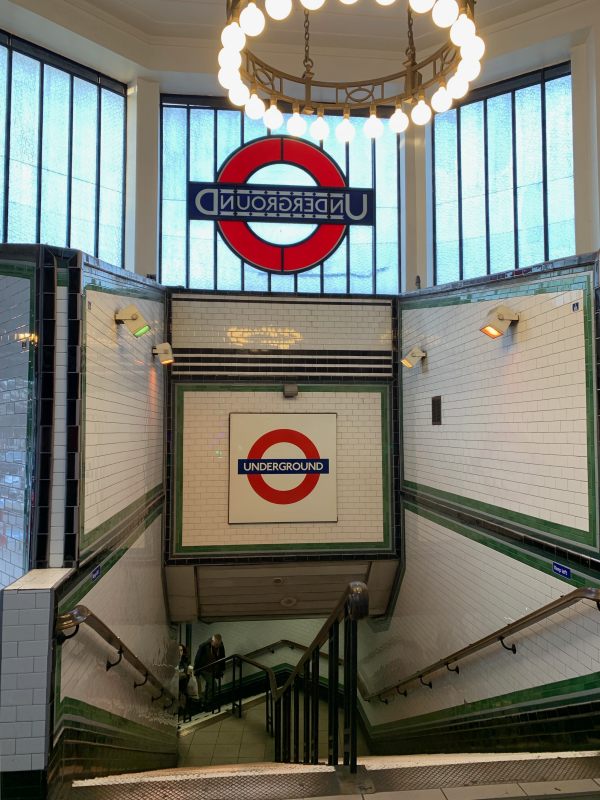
(282, 283)
(253, 129)
(202, 168)
(360, 167)
(202, 144)
(202, 254)
(229, 267)
(310, 281)
(446, 198)
(112, 170)
(55, 157)
(473, 191)
(500, 172)
(387, 279)
(530, 202)
(83, 177)
(229, 134)
(360, 173)
(559, 150)
(332, 145)
(255, 280)
(335, 271)
(3, 87)
(174, 186)
(23, 162)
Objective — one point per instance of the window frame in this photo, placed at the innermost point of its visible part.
(509, 86)
(219, 103)
(44, 57)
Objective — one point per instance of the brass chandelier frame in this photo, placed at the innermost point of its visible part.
(405, 86)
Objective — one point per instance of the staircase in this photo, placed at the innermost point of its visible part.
(441, 777)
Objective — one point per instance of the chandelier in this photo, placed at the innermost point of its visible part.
(420, 88)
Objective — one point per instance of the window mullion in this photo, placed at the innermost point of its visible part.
(459, 191)
(515, 178)
(544, 172)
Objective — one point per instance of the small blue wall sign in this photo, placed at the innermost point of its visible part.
(564, 572)
(96, 573)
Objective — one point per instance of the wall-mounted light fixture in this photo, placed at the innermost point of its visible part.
(498, 321)
(413, 357)
(164, 351)
(290, 390)
(131, 316)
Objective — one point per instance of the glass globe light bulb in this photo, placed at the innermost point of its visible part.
(373, 127)
(421, 113)
(473, 49)
(228, 77)
(457, 87)
(278, 9)
(441, 100)
(348, 2)
(421, 6)
(239, 94)
(468, 70)
(233, 37)
(296, 125)
(252, 20)
(273, 118)
(385, 2)
(312, 5)
(462, 30)
(319, 129)
(399, 121)
(345, 131)
(254, 108)
(230, 59)
(445, 13)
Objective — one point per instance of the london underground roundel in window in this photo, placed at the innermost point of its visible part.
(232, 203)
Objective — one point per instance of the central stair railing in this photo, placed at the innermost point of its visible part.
(293, 720)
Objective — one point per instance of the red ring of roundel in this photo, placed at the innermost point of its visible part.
(283, 496)
(239, 236)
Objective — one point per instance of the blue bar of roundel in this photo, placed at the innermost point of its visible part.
(244, 463)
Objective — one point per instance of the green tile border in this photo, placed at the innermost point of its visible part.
(574, 279)
(580, 577)
(121, 516)
(383, 390)
(581, 689)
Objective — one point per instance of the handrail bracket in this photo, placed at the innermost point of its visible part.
(62, 637)
(111, 664)
(453, 669)
(512, 648)
(430, 684)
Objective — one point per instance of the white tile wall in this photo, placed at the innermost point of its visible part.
(123, 451)
(290, 325)
(206, 468)
(27, 617)
(129, 599)
(15, 400)
(454, 592)
(513, 430)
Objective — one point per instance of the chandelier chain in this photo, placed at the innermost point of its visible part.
(308, 62)
(411, 51)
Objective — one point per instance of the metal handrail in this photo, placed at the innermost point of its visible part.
(81, 615)
(497, 636)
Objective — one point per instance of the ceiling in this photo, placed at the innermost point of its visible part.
(365, 23)
(175, 42)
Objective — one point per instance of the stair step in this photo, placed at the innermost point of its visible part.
(446, 777)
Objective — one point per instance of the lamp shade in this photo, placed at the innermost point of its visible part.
(498, 321)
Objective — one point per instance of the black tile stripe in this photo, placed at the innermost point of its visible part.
(231, 351)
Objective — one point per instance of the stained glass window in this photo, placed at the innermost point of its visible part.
(62, 151)
(198, 137)
(503, 177)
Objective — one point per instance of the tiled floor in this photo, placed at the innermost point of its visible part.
(229, 740)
